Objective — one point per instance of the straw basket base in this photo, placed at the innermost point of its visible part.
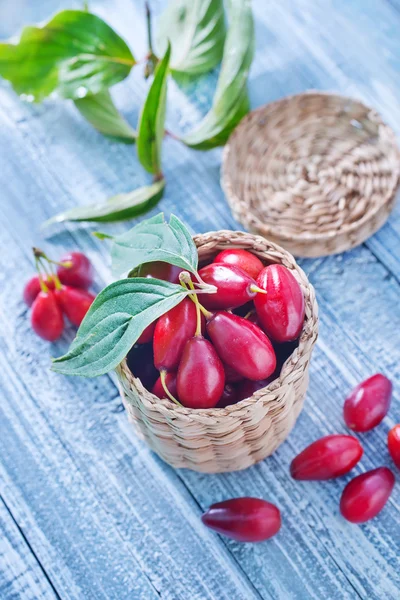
(218, 440)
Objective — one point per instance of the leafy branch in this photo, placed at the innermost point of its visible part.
(77, 56)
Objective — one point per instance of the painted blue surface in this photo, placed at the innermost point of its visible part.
(86, 510)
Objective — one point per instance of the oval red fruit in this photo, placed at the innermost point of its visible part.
(328, 457)
(234, 286)
(244, 519)
(172, 331)
(201, 377)
(75, 302)
(368, 403)
(365, 495)
(394, 444)
(147, 335)
(160, 270)
(79, 273)
(170, 382)
(46, 317)
(32, 288)
(281, 309)
(242, 345)
(245, 260)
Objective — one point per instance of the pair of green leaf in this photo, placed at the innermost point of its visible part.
(125, 308)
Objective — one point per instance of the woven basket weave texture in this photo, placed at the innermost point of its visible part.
(316, 173)
(236, 437)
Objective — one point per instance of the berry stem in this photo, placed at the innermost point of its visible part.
(255, 288)
(163, 374)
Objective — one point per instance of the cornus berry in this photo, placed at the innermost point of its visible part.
(201, 377)
(78, 272)
(368, 403)
(248, 262)
(394, 444)
(281, 309)
(244, 519)
(46, 316)
(234, 286)
(160, 270)
(74, 302)
(242, 345)
(170, 383)
(32, 288)
(328, 457)
(172, 331)
(366, 495)
(147, 334)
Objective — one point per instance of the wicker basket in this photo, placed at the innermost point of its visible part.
(228, 439)
(316, 173)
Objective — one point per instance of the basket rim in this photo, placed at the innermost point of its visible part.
(273, 230)
(289, 366)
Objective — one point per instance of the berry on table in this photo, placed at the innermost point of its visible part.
(244, 519)
(75, 302)
(46, 316)
(75, 269)
(330, 456)
(368, 403)
(366, 495)
(394, 444)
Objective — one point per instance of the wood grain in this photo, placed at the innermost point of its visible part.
(88, 511)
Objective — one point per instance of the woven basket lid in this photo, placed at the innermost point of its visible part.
(316, 173)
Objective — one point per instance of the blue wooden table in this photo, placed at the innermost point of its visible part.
(86, 510)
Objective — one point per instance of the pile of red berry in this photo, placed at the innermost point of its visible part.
(253, 519)
(52, 293)
(215, 349)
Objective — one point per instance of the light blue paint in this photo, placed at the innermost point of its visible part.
(87, 511)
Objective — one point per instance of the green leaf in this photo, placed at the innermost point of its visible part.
(74, 54)
(196, 29)
(152, 117)
(230, 102)
(101, 112)
(116, 208)
(114, 322)
(154, 239)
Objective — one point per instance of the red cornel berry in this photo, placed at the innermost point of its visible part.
(160, 270)
(46, 317)
(242, 345)
(394, 444)
(368, 403)
(79, 273)
(75, 303)
(234, 286)
(201, 376)
(32, 288)
(366, 495)
(281, 309)
(328, 457)
(245, 260)
(172, 331)
(244, 519)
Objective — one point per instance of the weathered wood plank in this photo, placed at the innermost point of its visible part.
(21, 575)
